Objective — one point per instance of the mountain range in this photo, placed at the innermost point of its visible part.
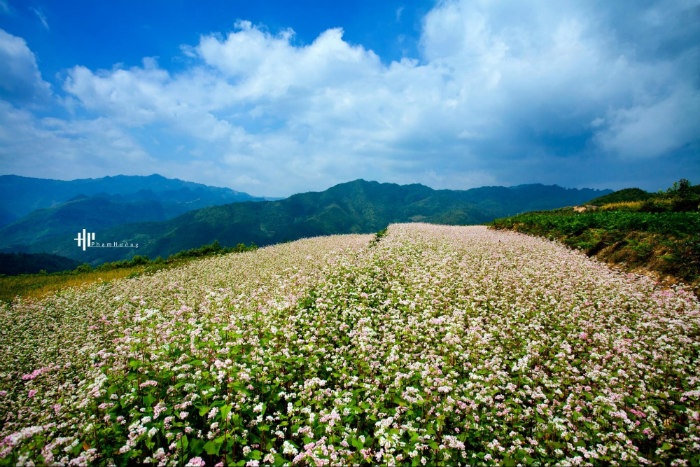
(354, 207)
(122, 198)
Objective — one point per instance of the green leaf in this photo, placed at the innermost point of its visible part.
(149, 443)
(148, 400)
(212, 447)
(196, 447)
(225, 410)
(356, 443)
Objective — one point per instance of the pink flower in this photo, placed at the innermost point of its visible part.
(196, 462)
(35, 373)
(32, 393)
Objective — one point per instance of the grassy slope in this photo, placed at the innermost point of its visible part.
(35, 286)
(664, 243)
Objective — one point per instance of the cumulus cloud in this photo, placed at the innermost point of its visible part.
(56, 148)
(653, 129)
(301, 114)
(547, 71)
(502, 93)
(20, 79)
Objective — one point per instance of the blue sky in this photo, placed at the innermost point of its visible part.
(278, 97)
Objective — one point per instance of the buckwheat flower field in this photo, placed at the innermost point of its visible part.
(432, 346)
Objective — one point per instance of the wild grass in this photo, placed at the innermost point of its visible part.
(623, 206)
(36, 286)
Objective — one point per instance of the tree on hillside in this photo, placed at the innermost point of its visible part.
(684, 196)
(682, 188)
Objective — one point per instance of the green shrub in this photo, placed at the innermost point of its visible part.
(85, 267)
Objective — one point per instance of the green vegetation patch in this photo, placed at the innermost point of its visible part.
(664, 242)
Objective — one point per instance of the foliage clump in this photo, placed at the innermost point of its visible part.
(378, 236)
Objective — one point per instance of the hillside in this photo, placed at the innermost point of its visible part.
(432, 345)
(639, 231)
(622, 196)
(99, 212)
(164, 197)
(353, 207)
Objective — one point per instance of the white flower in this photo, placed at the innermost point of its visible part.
(289, 449)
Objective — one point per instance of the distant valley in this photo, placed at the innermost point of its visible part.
(155, 214)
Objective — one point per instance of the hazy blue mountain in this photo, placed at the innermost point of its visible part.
(22, 195)
(98, 212)
(357, 206)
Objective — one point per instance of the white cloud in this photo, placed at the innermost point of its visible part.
(20, 79)
(56, 148)
(132, 97)
(302, 114)
(655, 129)
(547, 70)
(41, 17)
(263, 65)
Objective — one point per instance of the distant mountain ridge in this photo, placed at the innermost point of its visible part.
(353, 207)
(99, 212)
(22, 195)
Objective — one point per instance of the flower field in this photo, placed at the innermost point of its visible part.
(433, 345)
